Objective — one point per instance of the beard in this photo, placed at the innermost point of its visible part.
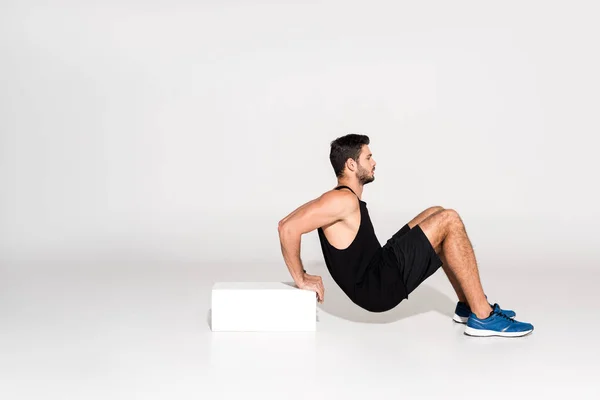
(364, 176)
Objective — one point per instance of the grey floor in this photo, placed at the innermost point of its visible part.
(124, 328)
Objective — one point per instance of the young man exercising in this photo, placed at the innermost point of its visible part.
(377, 278)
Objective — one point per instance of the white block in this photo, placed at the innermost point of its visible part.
(262, 306)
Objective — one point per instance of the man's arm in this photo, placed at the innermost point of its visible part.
(330, 207)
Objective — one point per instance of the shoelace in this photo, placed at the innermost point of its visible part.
(500, 314)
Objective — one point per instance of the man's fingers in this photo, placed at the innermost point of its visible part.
(321, 292)
(317, 286)
(322, 289)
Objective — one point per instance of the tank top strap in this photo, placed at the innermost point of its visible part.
(344, 186)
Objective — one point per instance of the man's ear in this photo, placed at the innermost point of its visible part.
(350, 164)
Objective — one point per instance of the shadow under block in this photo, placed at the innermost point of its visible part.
(262, 306)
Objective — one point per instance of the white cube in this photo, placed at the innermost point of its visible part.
(262, 306)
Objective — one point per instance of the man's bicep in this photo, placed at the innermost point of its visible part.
(322, 211)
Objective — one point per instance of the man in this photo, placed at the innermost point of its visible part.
(377, 278)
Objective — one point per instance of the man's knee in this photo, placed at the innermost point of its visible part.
(448, 216)
(440, 225)
(447, 220)
(453, 217)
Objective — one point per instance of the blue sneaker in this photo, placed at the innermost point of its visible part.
(497, 324)
(462, 312)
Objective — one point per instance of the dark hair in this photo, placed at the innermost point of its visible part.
(346, 147)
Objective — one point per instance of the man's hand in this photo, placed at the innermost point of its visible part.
(314, 283)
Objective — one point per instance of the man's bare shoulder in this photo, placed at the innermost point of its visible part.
(339, 198)
(331, 206)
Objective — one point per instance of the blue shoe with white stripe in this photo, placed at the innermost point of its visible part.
(462, 312)
(497, 324)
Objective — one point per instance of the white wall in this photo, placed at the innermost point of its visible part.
(188, 130)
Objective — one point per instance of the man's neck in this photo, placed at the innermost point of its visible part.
(354, 185)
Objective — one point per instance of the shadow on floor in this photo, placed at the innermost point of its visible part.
(424, 299)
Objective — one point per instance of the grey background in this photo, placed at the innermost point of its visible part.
(188, 128)
(148, 150)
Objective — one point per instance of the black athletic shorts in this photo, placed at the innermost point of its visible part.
(415, 256)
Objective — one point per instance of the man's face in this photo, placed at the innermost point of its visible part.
(366, 166)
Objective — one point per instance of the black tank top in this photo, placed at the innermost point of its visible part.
(358, 269)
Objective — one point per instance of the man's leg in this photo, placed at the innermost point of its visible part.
(446, 232)
(447, 270)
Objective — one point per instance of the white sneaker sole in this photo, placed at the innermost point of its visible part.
(485, 333)
(459, 319)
